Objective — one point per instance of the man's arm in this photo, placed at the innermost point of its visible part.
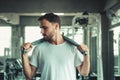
(84, 68)
(28, 69)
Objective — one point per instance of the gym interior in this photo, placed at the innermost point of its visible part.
(95, 23)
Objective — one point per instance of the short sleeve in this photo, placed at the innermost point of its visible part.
(78, 59)
(34, 57)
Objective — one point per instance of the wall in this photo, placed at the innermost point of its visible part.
(28, 6)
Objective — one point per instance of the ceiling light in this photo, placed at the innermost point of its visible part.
(54, 13)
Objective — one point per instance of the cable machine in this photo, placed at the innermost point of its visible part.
(91, 26)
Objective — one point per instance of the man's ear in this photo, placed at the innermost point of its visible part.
(56, 26)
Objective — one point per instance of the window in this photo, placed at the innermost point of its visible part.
(115, 19)
(5, 40)
(116, 40)
(77, 35)
(32, 33)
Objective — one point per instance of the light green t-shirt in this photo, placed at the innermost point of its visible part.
(56, 62)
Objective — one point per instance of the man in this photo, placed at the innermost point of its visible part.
(55, 58)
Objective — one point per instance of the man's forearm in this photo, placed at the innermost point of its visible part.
(26, 66)
(85, 67)
(28, 69)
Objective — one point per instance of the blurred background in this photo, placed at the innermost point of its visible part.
(92, 22)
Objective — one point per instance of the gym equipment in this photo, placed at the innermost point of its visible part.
(13, 68)
(88, 22)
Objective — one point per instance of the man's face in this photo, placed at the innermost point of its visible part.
(47, 29)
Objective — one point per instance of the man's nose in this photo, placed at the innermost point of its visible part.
(42, 31)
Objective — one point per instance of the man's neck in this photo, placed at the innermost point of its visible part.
(57, 39)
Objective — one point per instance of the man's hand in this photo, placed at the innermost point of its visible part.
(83, 48)
(26, 47)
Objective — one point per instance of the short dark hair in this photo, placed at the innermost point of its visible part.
(51, 17)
